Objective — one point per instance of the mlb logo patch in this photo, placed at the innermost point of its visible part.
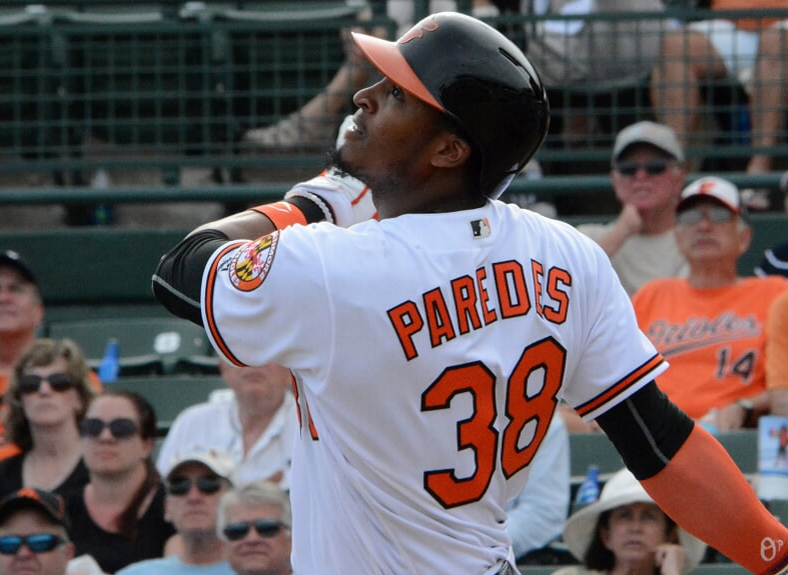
(480, 228)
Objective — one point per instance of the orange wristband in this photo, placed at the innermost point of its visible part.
(282, 214)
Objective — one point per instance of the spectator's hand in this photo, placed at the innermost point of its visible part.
(670, 558)
(730, 418)
(629, 220)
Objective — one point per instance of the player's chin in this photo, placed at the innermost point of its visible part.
(341, 160)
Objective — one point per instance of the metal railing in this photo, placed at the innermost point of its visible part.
(168, 87)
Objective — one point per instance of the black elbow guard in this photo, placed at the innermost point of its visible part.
(647, 429)
(178, 277)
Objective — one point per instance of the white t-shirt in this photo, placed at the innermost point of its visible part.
(430, 352)
(215, 425)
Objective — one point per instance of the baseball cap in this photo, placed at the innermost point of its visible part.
(12, 259)
(220, 462)
(50, 504)
(658, 135)
(718, 189)
(620, 490)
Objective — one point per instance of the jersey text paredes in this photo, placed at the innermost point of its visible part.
(502, 290)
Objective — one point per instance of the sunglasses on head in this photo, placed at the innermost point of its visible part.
(265, 528)
(715, 214)
(60, 382)
(206, 484)
(120, 428)
(652, 167)
(38, 543)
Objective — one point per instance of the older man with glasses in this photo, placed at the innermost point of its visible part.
(647, 174)
(255, 521)
(195, 482)
(34, 534)
(710, 326)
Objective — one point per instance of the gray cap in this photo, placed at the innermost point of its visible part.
(658, 135)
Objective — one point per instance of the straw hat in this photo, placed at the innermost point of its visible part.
(621, 489)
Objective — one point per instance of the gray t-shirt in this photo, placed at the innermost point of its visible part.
(642, 258)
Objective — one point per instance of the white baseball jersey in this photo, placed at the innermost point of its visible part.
(430, 351)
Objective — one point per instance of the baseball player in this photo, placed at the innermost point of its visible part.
(430, 347)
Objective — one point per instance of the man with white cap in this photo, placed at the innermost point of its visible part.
(195, 482)
(625, 530)
(647, 174)
(711, 325)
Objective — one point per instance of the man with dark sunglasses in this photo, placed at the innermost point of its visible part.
(254, 520)
(34, 534)
(195, 482)
(647, 175)
(710, 326)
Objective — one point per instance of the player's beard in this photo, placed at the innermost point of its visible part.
(380, 184)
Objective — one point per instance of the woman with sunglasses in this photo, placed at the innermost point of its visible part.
(48, 394)
(118, 518)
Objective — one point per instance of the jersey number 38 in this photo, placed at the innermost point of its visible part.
(478, 432)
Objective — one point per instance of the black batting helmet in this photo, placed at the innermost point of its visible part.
(479, 78)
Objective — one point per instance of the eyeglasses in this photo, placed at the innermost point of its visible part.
(206, 484)
(652, 167)
(38, 543)
(120, 428)
(60, 382)
(266, 528)
(715, 214)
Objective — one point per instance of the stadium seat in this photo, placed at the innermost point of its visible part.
(160, 345)
(169, 395)
(586, 449)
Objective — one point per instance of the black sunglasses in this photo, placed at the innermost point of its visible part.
(60, 382)
(715, 214)
(652, 167)
(265, 528)
(206, 484)
(38, 543)
(120, 428)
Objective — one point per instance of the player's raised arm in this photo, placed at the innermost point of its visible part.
(694, 480)
(332, 196)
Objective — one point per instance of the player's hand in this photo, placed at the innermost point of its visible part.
(350, 199)
(670, 558)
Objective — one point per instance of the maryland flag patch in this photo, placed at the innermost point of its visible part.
(250, 264)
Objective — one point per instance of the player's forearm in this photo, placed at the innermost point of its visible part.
(703, 491)
(246, 225)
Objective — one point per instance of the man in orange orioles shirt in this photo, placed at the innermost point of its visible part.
(711, 326)
(430, 348)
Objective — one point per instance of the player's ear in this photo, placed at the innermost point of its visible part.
(452, 151)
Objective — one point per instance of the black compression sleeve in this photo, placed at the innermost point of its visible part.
(647, 429)
(178, 278)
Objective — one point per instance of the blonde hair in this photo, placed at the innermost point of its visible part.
(41, 353)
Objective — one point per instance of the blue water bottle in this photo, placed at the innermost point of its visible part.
(588, 492)
(110, 364)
